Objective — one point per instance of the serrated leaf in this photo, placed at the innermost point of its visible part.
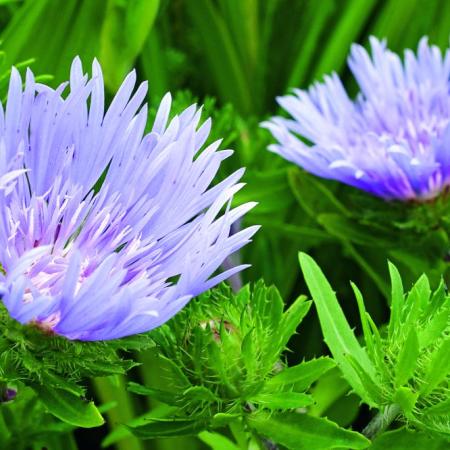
(269, 306)
(416, 302)
(302, 432)
(291, 320)
(368, 338)
(407, 359)
(303, 375)
(164, 428)
(407, 439)
(434, 329)
(248, 353)
(282, 400)
(372, 388)
(336, 330)
(439, 409)
(438, 369)
(70, 408)
(397, 298)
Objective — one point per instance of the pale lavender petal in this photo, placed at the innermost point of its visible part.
(392, 141)
(100, 265)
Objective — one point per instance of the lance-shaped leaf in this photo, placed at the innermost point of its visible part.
(337, 332)
(164, 428)
(302, 375)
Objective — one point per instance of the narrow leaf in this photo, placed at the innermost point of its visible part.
(337, 332)
(439, 368)
(364, 321)
(169, 428)
(303, 375)
(407, 359)
(397, 298)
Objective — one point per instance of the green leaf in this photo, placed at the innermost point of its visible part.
(406, 439)
(216, 39)
(407, 359)
(438, 369)
(336, 330)
(434, 329)
(438, 409)
(70, 408)
(416, 302)
(303, 375)
(302, 432)
(347, 27)
(282, 400)
(397, 298)
(248, 353)
(217, 441)
(368, 338)
(291, 320)
(164, 428)
(124, 31)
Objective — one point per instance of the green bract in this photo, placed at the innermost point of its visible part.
(221, 366)
(404, 368)
(55, 367)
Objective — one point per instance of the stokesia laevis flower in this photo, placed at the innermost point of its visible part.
(392, 141)
(97, 263)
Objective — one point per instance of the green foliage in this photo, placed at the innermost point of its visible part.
(124, 31)
(235, 57)
(404, 368)
(221, 363)
(114, 31)
(413, 235)
(55, 367)
(412, 440)
(222, 349)
(25, 420)
(303, 432)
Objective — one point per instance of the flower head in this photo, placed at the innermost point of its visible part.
(393, 141)
(107, 231)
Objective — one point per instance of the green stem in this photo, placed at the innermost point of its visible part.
(108, 391)
(381, 421)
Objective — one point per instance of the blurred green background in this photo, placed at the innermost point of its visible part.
(235, 56)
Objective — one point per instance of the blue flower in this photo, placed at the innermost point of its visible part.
(392, 141)
(98, 260)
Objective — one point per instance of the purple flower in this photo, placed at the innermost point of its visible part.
(97, 263)
(392, 141)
